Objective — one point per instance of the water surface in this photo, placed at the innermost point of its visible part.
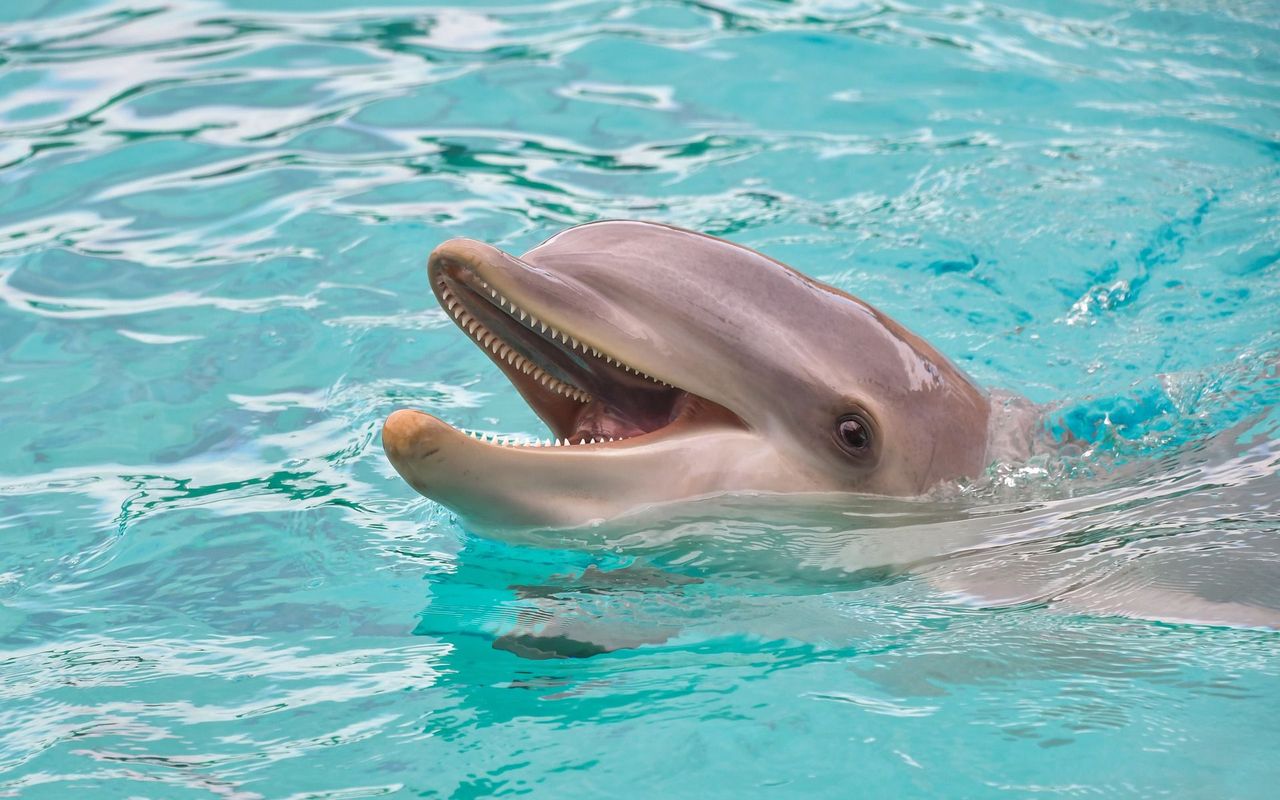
(214, 216)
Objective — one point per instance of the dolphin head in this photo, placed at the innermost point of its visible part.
(668, 365)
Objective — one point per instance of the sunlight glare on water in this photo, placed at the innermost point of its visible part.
(214, 216)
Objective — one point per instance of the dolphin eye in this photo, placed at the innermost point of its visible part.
(853, 433)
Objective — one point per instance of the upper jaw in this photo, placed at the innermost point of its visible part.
(579, 388)
(486, 272)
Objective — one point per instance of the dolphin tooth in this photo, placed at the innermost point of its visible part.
(523, 316)
(543, 325)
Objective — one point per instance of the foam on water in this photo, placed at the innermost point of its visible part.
(214, 216)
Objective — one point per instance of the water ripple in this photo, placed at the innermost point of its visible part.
(213, 221)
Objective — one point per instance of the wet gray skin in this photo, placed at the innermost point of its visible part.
(691, 366)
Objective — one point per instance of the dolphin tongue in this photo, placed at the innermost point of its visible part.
(606, 420)
(598, 420)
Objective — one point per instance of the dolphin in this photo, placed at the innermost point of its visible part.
(670, 365)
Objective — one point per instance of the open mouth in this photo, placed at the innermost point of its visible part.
(585, 394)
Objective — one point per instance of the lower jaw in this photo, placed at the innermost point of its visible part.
(511, 485)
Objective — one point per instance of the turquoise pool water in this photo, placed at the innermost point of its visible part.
(214, 216)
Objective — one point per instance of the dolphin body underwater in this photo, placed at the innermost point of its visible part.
(671, 365)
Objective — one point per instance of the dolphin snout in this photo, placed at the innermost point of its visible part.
(407, 437)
